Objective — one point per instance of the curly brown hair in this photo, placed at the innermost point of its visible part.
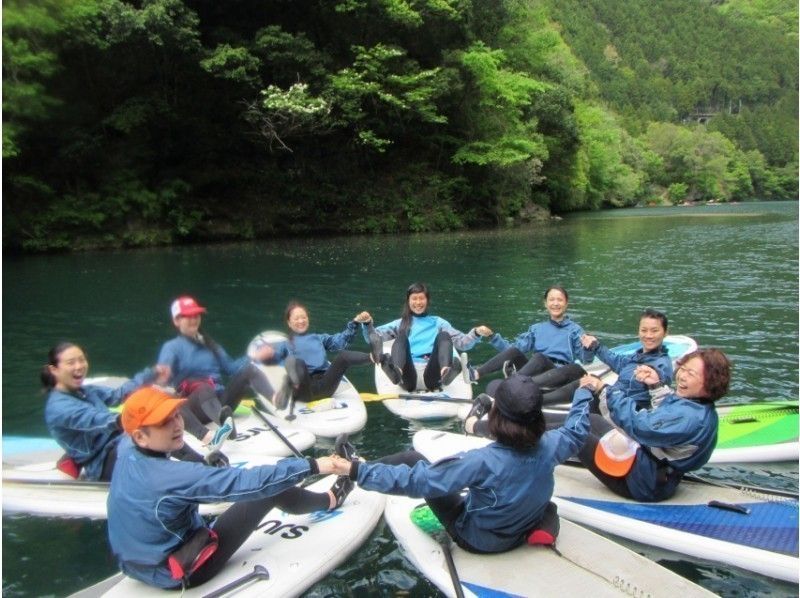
(717, 367)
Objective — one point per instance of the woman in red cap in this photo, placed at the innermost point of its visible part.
(198, 364)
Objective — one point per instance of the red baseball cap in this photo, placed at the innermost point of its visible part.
(186, 306)
(148, 406)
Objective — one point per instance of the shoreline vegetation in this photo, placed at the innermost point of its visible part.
(169, 122)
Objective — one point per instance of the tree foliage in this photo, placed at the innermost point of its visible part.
(160, 121)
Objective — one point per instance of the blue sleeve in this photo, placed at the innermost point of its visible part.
(524, 341)
(577, 348)
(385, 331)
(337, 342)
(572, 434)
(167, 355)
(423, 479)
(662, 427)
(663, 365)
(611, 359)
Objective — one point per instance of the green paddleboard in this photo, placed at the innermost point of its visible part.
(757, 424)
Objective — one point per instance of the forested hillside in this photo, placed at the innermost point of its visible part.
(129, 123)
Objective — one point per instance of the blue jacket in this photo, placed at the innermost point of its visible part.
(676, 435)
(560, 341)
(191, 360)
(424, 330)
(507, 490)
(625, 366)
(312, 348)
(82, 424)
(153, 503)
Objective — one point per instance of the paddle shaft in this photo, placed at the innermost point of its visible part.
(259, 572)
(277, 432)
(367, 397)
(451, 566)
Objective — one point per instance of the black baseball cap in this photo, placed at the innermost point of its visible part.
(519, 399)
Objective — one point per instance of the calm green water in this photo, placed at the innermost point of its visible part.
(726, 275)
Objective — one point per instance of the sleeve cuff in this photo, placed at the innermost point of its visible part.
(354, 471)
(312, 463)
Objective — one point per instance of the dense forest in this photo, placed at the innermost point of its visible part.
(132, 123)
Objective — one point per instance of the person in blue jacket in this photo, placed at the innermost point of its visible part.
(78, 415)
(642, 453)
(652, 330)
(309, 373)
(508, 483)
(556, 346)
(198, 364)
(154, 527)
(420, 337)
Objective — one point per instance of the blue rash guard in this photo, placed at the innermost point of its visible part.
(424, 330)
(153, 503)
(560, 341)
(507, 490)
(192, 360)
(676, 435)
(625, 367)
(312, 348)
(82, 424)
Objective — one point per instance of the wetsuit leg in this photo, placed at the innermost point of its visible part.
(600, 426)
(560, 395)
(441, 356)
(236, 524)
(305, 390)
(495, 364)
(537, 364)
(325, 385)
(202, 407)
(401, 357)
(555, 378)
(249, 376)
(108, 464)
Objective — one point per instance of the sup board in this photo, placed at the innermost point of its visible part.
(33, 484)
(585, 562)
(343, 413)
(757, 432)
(754, 532)
(295, 550)
(426, 407)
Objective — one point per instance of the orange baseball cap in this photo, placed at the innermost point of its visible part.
(148, 406)
(615, 453)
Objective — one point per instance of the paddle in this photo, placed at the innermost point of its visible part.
(259, 572)
(277, 432)
(451, 566)
(368, 397)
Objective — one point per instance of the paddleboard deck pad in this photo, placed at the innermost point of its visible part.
(584, 562)
(756, 533)
(296, 550)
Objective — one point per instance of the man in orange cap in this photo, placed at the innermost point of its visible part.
(154, 527)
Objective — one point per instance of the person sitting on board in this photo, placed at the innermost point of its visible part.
(197, 365)
(508, 483)
(154, 527)
(556, 345)
(420, 337)
(309, 374)
(652, 330)
(642, 453)
(78, 415)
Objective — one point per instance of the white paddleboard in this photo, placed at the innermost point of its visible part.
(423, 409)
(764, 540)
(32, 483)
(343, 413)
(588, 563)
(296, 550)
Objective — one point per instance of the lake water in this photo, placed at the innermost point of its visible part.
(725, 275)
